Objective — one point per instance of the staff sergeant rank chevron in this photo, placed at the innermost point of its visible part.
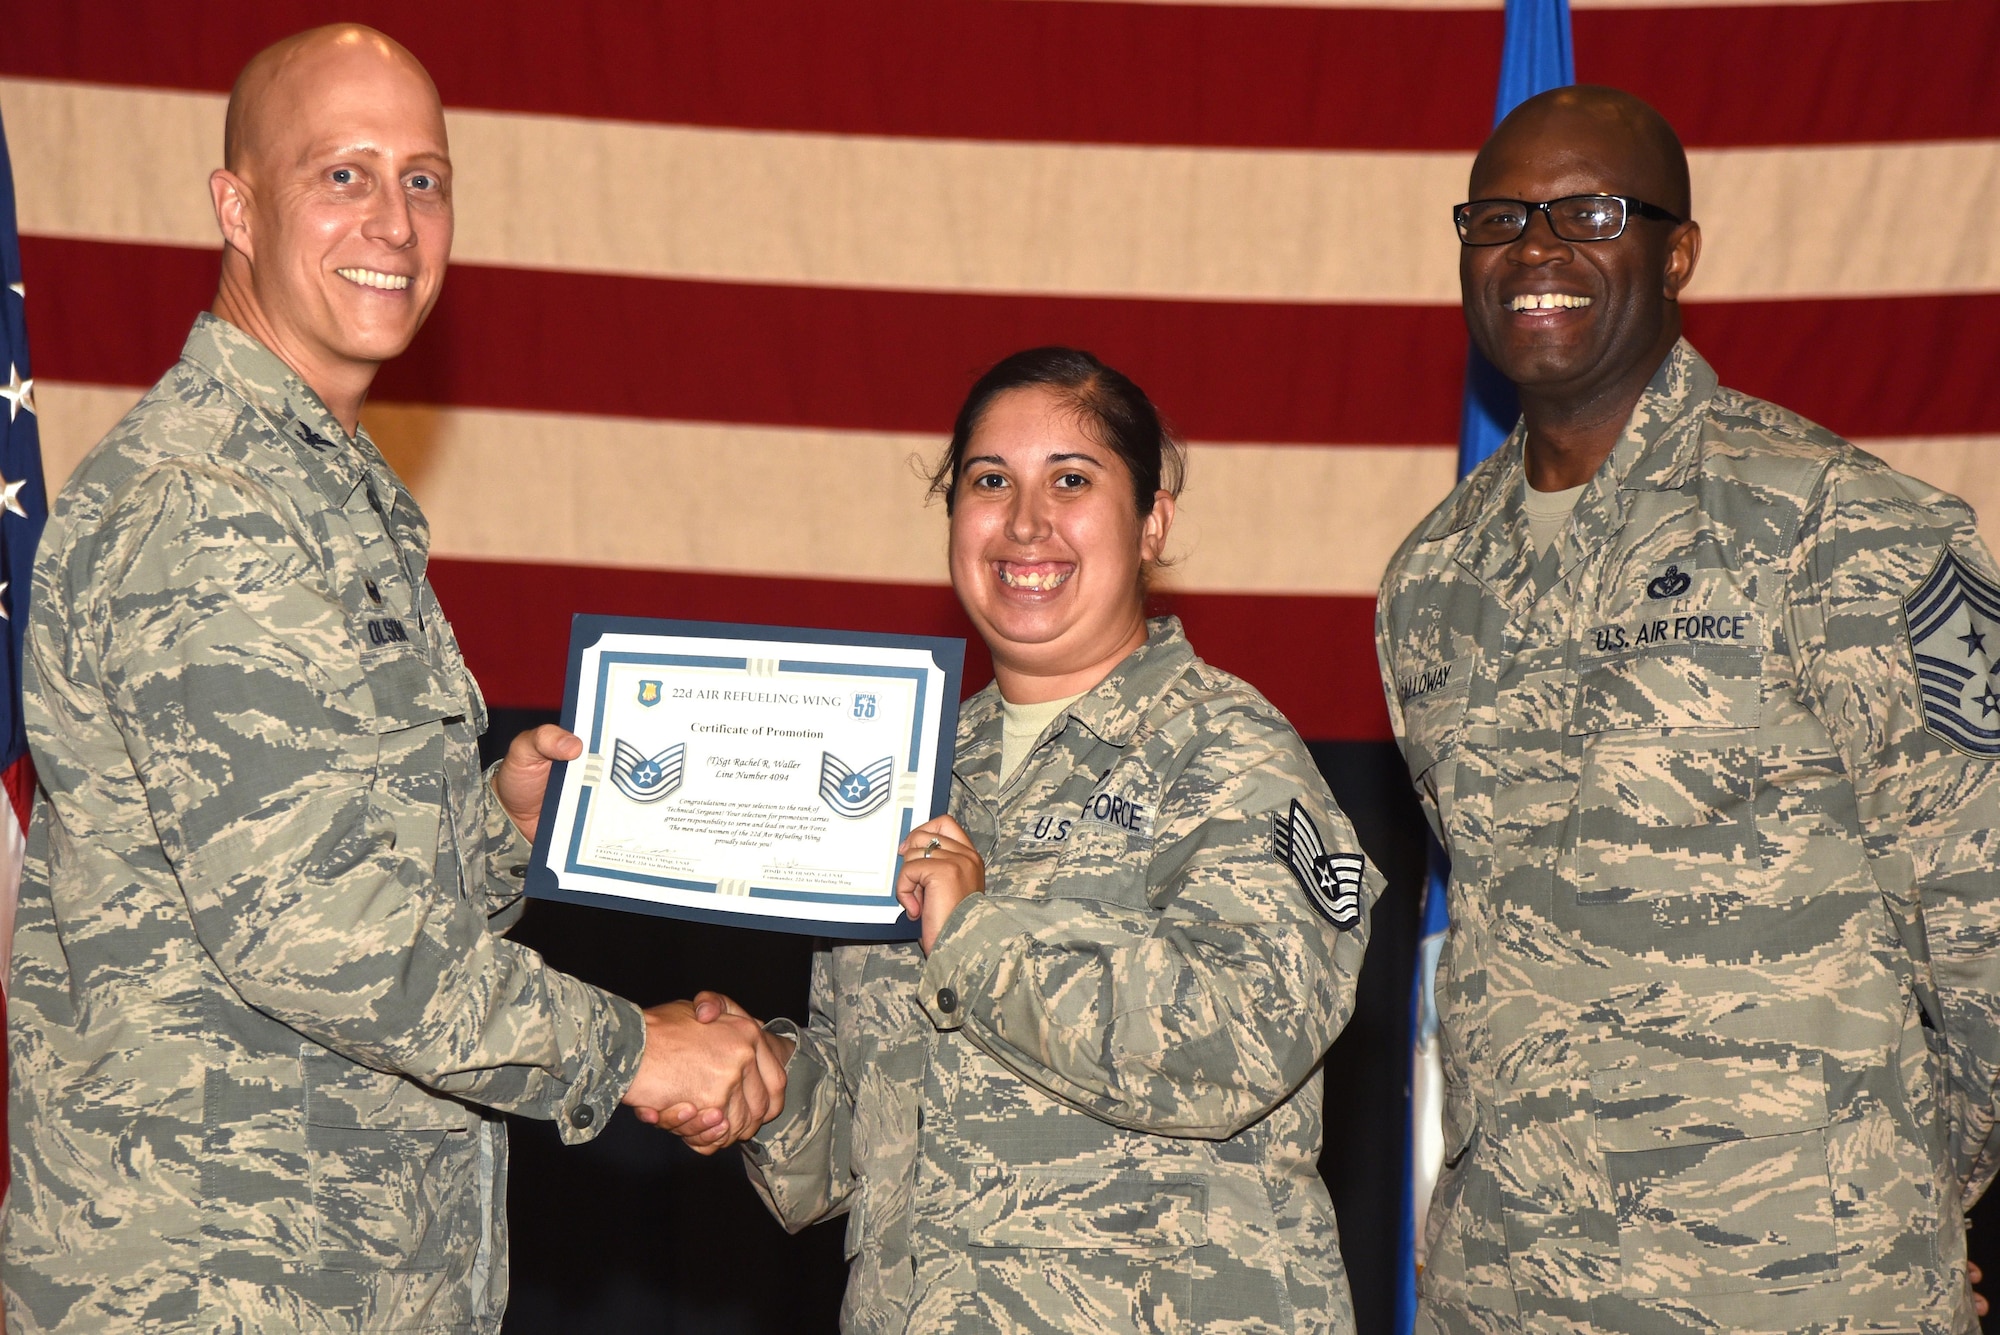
(645, 778)
(1954, 624)
(854, 793)
(1333, 880)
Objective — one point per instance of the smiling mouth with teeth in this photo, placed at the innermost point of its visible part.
(387, 282)
(1040, 579)
(1547, 301)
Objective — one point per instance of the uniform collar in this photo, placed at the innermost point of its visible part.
(1111, 710)
(337, 462)
(1659, 450)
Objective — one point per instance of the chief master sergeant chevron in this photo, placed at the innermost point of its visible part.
(260, 1001)
(1699, 698)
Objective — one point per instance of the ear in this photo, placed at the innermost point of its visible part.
(230, 194)
(1154, 528)
(1683, 253)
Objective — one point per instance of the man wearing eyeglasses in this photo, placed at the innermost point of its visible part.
(1701, 701)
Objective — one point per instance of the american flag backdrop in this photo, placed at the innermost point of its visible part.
(724, 269)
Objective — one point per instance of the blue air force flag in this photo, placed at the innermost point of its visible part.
(645, 778)
(1954, 623)
(855, 793)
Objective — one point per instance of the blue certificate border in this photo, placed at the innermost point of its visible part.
(948, 655)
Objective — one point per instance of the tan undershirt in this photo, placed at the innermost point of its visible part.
(1020, 725)
(1548, 511)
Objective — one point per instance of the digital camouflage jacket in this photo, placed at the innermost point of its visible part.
(260, 1002)
(1718, 998)
(1096, 1107)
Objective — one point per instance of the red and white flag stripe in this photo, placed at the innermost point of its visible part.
(725, 270)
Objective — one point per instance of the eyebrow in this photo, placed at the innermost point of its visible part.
(1057, 458)
(320, 152)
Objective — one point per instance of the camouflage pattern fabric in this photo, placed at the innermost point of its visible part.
(1097, 1106)
(260, 1002)
(1719, 994)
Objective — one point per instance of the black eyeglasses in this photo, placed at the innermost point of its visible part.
(1495, 222)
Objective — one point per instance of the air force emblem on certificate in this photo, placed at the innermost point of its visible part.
(645, 778)
(649, 693)
(1331, 880)
(855, 793)
(1954, 627)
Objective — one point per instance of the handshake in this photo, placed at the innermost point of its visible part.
(710, 1073)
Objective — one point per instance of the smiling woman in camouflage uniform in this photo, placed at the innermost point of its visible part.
(1089, 1098)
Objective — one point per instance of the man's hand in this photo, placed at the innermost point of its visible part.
(941, 869)
(706, 1130)
(523, 775)
(711, 1083)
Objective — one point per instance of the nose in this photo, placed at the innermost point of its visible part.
(1027, 516)
(389, 220)
(1538, 242)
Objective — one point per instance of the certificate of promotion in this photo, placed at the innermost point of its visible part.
(754, 775)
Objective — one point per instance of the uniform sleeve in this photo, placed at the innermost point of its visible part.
(1385, 664)
(1929, 808)
(228, 666)
(499, 871)
(1199, 1013)
(799, 1161)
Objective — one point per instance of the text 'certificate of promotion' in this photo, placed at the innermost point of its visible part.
(754, 775)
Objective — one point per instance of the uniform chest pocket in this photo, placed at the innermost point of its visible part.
(1719, 1176)
(1102, 862)
(407, 692)
(1433, 733)
(1666, 800)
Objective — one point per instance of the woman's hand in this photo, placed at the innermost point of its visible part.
(940, 869)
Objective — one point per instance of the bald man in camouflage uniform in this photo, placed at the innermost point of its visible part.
(1723, 811)
(262, 1012)
(1097, 1106)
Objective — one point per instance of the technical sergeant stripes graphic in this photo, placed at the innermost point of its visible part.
(854, 793)
(645, 778)
(1332, 880)
(1954, 625)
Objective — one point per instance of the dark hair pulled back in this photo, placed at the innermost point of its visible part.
(1116, 412)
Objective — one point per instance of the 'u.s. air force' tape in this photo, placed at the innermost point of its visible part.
(645, 778)
(854, 793)
(1331, 880)
(1954, 626)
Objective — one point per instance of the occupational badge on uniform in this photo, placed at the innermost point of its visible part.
(854, 793)
(645, 778)
(309, 436)
(649, 693)
(1954, 628)
(1331, 880)
(1671, 584)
